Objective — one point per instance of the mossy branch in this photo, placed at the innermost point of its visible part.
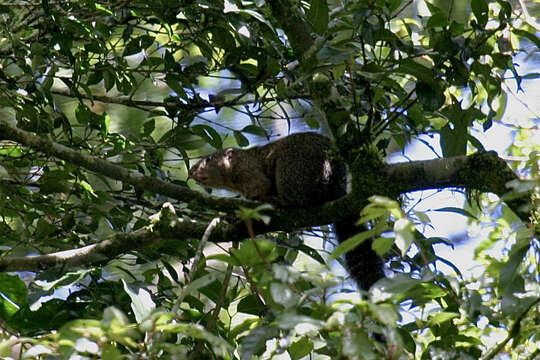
(483, 171)
(117, 172)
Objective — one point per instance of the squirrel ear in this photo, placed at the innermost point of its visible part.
(229, 153)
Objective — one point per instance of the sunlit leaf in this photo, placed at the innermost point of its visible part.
(141, 301)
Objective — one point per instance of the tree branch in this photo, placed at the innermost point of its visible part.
(185, 106)
(482, 171)
(282, 219)
(296, 29)
(106, 168)
(512, 333)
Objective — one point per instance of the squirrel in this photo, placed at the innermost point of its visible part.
(294, 171)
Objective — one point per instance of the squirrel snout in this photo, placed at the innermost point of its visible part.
(197, 174)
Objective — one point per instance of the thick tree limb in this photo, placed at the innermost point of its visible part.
(404, 177)
(166, 228)
(483, 171)
(87, 255)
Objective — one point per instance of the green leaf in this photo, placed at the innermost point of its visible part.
(146, 41)
(109, 79)
(94, 78)
(410, 67)
(513, 306)
(132, 47)
(454, 135)
(148, 127)
(356, 240)
(257, 213)
(255, 130)
(398, 284)
(184, 140)
(53, 184)
(456, 210)
(454, 141)
(222, 38)
(103, 8)
(318, 15)
(68, 221)
(196, 331)
(314, 254)
(250, 252)
(480, 11)
(475, 142)
(404, 230)
(209, 134)
(386, 313)
(110, 352)
(45, 228)
(141, 301)
(230, 7)
(138, 44)
(255, 342)
(175, 83)
(251, 304)
(245, 325)
(530, 36)
(430, 95)
(240, 138)
(74, 330)
(392, 5)
(509, 270)
(283, 295)
(459, 73)
(287, 320)
(442, 317)
(6, 346)
(382, 245)
(300, 348)
(357, 345)
(408, 341)
(224, 258)
(170, 269)
(212, 290)
(438, 19)
(334, 55)
(83, 114)
(13, 295)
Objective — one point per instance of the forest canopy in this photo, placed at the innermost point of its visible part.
(109, 251)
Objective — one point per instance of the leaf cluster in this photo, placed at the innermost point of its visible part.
(152, 85)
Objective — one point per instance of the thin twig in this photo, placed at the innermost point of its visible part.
(195, 264)
(514, 330)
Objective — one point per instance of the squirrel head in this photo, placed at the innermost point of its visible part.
(214, 170)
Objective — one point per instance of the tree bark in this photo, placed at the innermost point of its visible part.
(482, 171)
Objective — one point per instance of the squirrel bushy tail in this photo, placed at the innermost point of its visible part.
(364, 265)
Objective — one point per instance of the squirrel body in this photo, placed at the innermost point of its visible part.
(295, 171)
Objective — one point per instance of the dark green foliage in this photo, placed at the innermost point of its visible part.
(152, 86)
